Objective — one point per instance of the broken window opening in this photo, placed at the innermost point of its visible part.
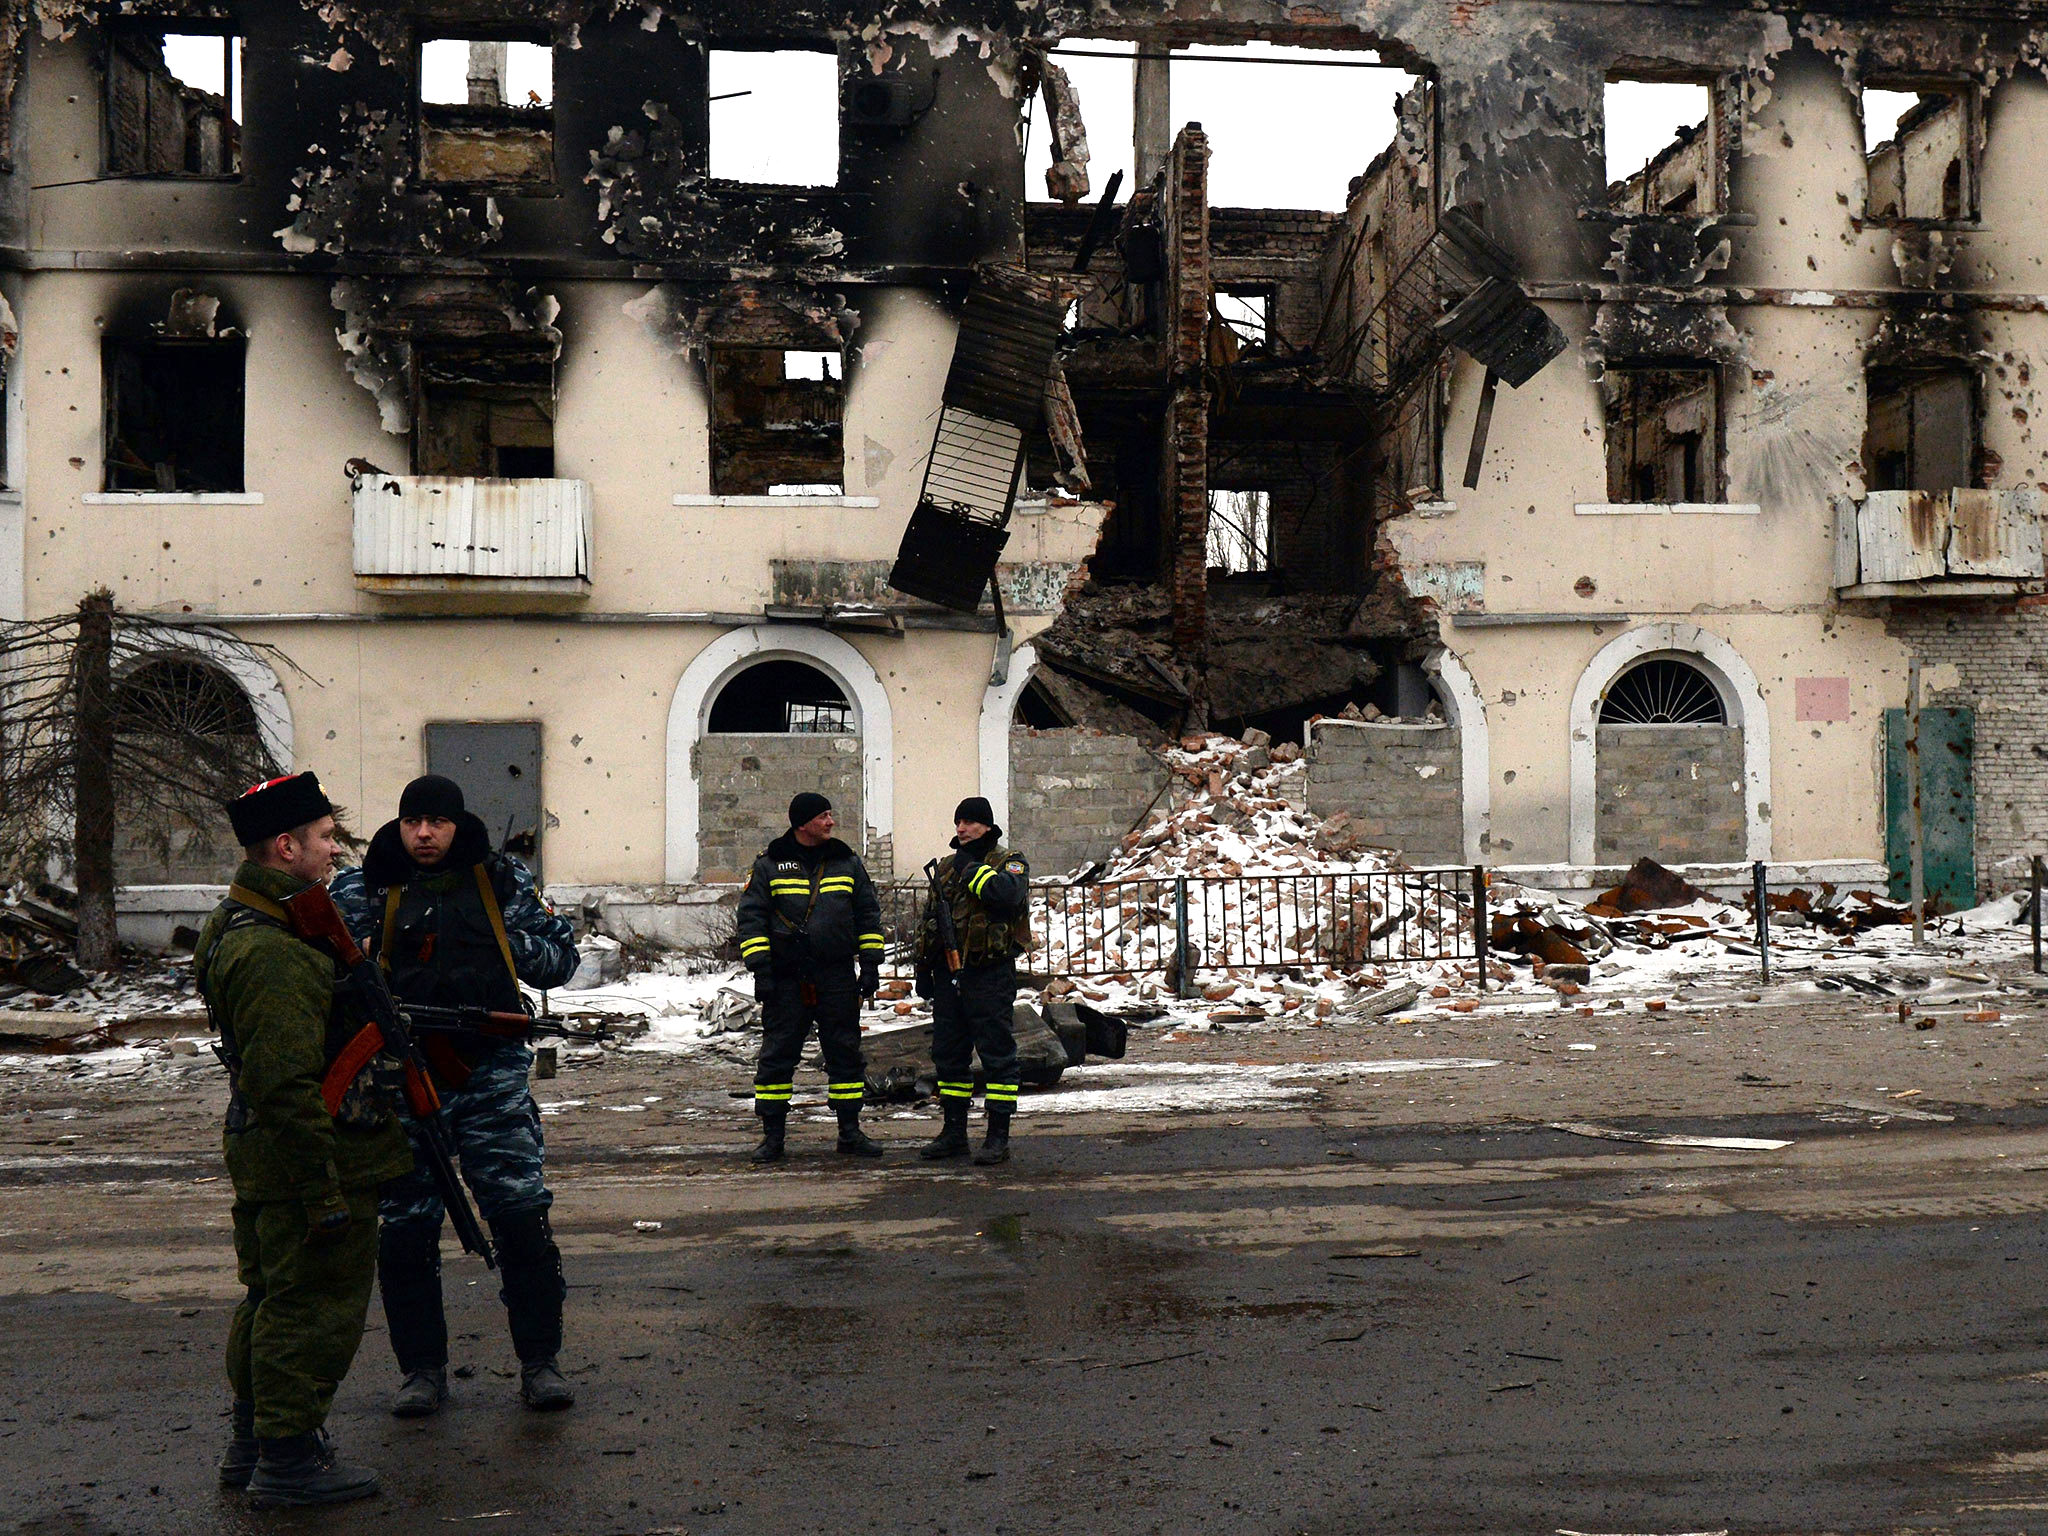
(1919, 145)
(174, 414)
(1663, 147)
(1103, 86)
(1663, 690)
(1240, 532)
(1663, 433)
(1249, 314)
(1035, 709)
(483, 410)
(775, 116)
(174, 104)
(817, 367)
(781, 698)
(486, 108)
(777, 422)
(1922, 430)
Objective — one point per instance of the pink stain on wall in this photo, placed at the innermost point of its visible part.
(1820, 698)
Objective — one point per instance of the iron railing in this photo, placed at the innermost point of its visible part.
(1237, 922)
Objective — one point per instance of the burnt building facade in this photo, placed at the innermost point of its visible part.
(483, 361)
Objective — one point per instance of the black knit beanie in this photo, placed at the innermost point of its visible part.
(807, 806)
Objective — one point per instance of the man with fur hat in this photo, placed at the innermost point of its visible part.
(988, 889)
(305, 1177)
(809, 920)
(454, 923)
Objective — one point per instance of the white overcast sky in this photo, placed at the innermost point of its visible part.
(1281, 135)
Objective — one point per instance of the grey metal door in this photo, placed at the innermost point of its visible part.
(497, 763)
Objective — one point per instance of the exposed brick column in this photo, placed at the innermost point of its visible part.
(1184, 488)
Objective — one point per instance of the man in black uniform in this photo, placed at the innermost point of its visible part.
(988, 888)
(808, 913)
(456, 924)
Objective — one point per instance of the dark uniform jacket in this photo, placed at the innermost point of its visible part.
(988, 888)
(273, 998)
(433, 930)
(807, 910)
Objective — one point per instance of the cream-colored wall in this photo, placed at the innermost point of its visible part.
(602, 693)
(631, 420)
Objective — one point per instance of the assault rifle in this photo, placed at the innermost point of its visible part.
(317, 920)
(942, 918)
(494, 1024)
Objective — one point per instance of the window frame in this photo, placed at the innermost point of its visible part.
(1714, 451)
(110, 407)
(235, 60)
(1722, 129)
(1970, 93)
(497, 187)
(731, 184)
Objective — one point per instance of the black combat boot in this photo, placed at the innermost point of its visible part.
(533, 1290)
(239, 1459)
(422, 1394)
(853, 1141)
(773, 1123)
(298, 1470)
(996, 1147)
(409, 1278)
(952, 1138)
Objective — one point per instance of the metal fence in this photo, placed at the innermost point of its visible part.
(1238, 922)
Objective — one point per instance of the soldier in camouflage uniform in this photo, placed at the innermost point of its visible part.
(987, 887)
(305, 1178)
(453, 924)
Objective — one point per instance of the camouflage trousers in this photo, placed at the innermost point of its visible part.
(294, 1335)
(495, 1126)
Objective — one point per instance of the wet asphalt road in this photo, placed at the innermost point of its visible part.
(1260, 1328)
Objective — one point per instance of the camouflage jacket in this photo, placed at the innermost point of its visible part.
(273, 999)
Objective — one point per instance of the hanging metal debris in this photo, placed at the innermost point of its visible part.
(995, 394)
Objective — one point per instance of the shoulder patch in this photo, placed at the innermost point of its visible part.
(1015, 866)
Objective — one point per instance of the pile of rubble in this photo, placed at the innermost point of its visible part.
(38, 930)
(1285, 910)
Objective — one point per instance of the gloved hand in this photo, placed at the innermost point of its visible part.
(764, 983)
(925, 983)
(870, 977)
(327, 1221)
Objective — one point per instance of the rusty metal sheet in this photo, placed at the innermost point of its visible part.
(1901, 535)
(1995, 533)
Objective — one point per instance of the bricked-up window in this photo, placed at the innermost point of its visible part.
(775, 116)
(1922, 430)
(1663, 145)
(1663, 433)
(777, 416)
(174, 103)
(1920, 146)
(781, 697)
(487, 115)
(483, 409)
(174, 413)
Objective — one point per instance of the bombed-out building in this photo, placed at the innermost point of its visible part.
(641, 412)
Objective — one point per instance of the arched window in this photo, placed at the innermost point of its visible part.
(781, 697)
(186, 738)
(1663, 690)
(178, 696)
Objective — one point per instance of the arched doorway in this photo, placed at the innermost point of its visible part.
(1669, 776)
(187, 738)
(1656, 758)
(758, 715)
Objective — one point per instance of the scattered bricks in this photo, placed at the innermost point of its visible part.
(1567, 989)
(1217, 991)
(1439, 991)
(1984, 1016)
(906, 1007)
(1923, 1023)
(1324, 1008)
(1465, 1005)
(1656, 1005)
